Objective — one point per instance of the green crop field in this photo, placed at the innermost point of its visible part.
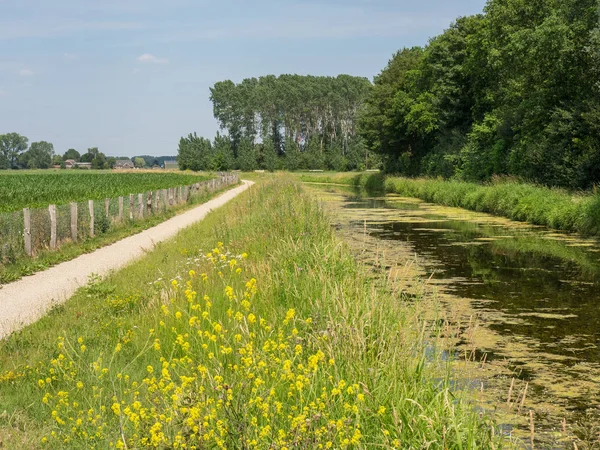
(36, 189)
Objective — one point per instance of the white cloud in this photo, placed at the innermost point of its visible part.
(151, 59)
(26, 72)
(2, 93)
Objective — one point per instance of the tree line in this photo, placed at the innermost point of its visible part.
(17, 153)
(283, 122)
(513, 91)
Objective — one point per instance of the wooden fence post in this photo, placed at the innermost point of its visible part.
(149, 203)
(157, 201)
(131, 206)
(74, 222)
(181, 199)
(107, 207)
(91, 208)
(120, 209)
(141, 205)
(27, 231)
(52, 211)
(170, 196)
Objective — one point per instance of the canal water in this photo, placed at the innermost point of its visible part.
(526, 300)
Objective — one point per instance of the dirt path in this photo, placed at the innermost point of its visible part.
(29, 298)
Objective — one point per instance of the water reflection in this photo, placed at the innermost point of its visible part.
(535, 290)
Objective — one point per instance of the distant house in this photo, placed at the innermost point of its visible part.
(171, 165)
(83, 165)
(70, 163)
(124, 164)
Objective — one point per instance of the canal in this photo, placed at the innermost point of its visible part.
(524, 299)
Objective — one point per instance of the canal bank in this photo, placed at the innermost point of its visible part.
(503, 196)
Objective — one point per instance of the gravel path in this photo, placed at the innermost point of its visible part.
(29, 298)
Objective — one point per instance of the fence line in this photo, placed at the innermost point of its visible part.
(28, 231)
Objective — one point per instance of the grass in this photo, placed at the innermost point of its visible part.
(253, 329)
(539, 205)
(22, 265)
(38, 189)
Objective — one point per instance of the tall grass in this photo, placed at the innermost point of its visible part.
(293, 346)
(539, 205)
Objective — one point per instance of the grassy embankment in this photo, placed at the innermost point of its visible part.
(23, 265)
(290, 346)
(552, 207)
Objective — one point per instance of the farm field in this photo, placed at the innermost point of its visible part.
(254, 329)
(38, 189)
(113, 218)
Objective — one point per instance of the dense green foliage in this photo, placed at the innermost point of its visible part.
(197, 153)
(153, 161)
(511, 91)
(287, 122)
(12, 145)
(15, 154)
(25, 189)
(39, 156)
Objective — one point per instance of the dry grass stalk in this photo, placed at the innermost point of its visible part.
(523, 399)
(531, 429)
(510, 390)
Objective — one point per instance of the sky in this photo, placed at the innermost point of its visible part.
(133, 76)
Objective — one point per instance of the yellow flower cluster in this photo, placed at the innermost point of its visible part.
(212, 373)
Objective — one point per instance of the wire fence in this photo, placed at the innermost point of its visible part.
(26, 232)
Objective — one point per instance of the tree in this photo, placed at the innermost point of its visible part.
(12, 145)
(39, 156)
(99, 161)
(382, 121)
(313, 157)
(357, 155)
(247, 156)
(194, 153)
(269, 155)
(223, 158)
(89, 155)
(71, 154)
(293, 156)
(139, 162)
(56, 160)
(307, 109)
(148, 160)
(512, 91)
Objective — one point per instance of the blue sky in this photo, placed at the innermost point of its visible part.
(132, 76)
